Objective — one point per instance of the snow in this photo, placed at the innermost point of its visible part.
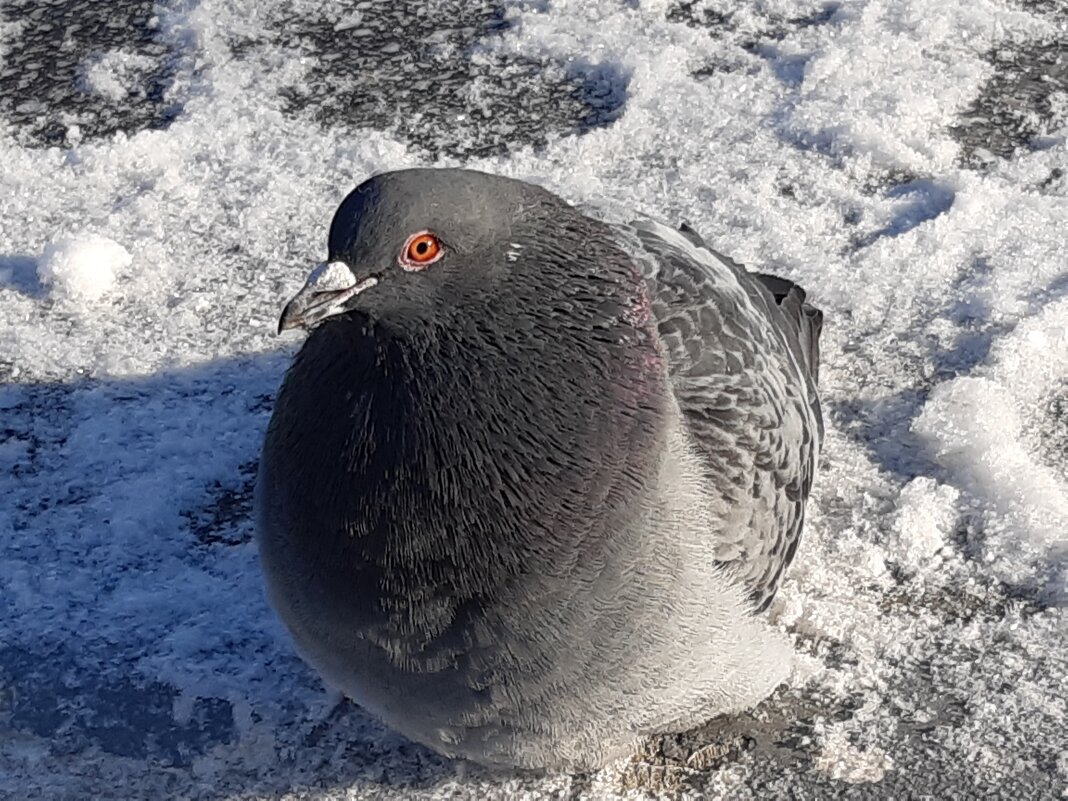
(116, 74)
(153, 226)
(924, 519)
(841, 760)
(82, 267)
(975, 429)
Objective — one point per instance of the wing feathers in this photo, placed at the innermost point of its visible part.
(743, 353)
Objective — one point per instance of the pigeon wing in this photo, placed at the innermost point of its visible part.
(743, 358)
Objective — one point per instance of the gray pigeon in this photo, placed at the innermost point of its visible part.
(533, 474)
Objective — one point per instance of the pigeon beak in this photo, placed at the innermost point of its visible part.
(328, 288)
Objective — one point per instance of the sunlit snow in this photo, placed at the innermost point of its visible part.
(82, 267)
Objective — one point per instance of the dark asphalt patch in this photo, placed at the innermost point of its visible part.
(420, 71)
(52, 51)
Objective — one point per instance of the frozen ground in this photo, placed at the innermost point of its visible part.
(168, 172)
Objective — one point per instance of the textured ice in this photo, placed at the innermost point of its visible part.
(903, 159)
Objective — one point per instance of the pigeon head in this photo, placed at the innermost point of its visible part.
(412, 244)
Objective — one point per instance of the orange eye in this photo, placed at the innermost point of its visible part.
(420, 250)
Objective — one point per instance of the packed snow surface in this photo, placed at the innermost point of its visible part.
(169, 173)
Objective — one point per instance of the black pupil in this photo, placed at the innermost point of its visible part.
(421, 248)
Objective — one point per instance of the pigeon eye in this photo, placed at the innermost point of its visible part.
(420, 250)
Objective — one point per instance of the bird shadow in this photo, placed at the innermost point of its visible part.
(137, 632)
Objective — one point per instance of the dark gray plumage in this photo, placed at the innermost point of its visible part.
(523, 502)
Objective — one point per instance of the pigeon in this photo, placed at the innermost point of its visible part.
(536, 470)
